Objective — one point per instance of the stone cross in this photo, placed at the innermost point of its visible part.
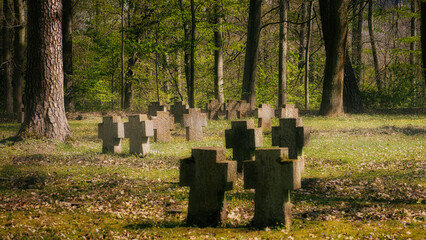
(178, 109)
(288, 111)
(155, 107)
(272, 175)
(214, 109)
(138, 129)
(243, 138)
(111, 130)
(244, 110)
(194, 121)
(163, 123)
(231, 109)
(265, 114)
(292, 135)
(208, 175)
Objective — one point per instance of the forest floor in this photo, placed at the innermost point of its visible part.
(364, 179)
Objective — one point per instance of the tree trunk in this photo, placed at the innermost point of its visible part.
(302, 37)
(373, 45)
(334, 19)
(218, 54)
(67, 19)
(413, 32)
(282, 62)
(423, 39)
(352, 102)
(19, 55)
(358, 39)
(7, 55)
(129, 91)
(123, 75)
(307, 57)
(44, 96)
(191, 86)
(248, 91)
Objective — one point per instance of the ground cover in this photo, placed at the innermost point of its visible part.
(364, 179)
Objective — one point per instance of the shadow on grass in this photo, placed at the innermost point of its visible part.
(13, 177)
(150, 224)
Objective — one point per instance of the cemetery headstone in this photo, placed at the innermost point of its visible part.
(208, 175)
(194, 121)
(178, 109)
(214, 109)
(111, 130)
(163, 123)
(287, 111)
(155, 107)
(243, 138)
(265, 114)
(273, 176)
(231, 109)
(138, 129)
(244, 109)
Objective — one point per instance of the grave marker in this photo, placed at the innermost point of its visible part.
(265, 114)
(272, 175)
(231, 109)
(244, 109)
(288, 111)
(178, 109)
(138, 130)
(155, 107)
(214, 109)
(163, 123)
(111, 130)
(194, 121)
(243, 138)
(291, 134)
(208, 175)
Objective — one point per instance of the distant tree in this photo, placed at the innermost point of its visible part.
(352, 102)
(357, 38)
(7, 55)
(44, 96)
(423, 38)
(373, 44)
(248, 91)
(218, 52)
(334, 21)
(282, 55)
(67, 20)
(19, 55)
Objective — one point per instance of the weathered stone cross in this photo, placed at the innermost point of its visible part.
(155, 107)
(243, 138)
(264, 114)
(111, 130)
(214, 109)
(138, 129)
(244, 110)
(194, 121)
(292, 135)
(208, 175)
(272, 175)
(178, 109)
(288, 111)
(162, 125)
(231, 109)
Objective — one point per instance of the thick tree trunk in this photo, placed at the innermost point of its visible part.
(248, 91)
(352, 102)
(191, 86)
(307, 57)
(129, 91)
(334, 19)
(19, 55)
(218, 55)
(358, 39)
(67, 19)
(7, 55)
(44, 96)
(373, 45)
(282, 62)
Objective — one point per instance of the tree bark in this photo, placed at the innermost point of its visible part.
(44, 96)
(218, 54)
(307, 57)
(358, 39)
(302, 37)
(352, 102)
(123, 75)
(423, 39)
(248, 91)
(373, 45)
(282, 62)
(7, 55)
(19, 55)
(334, 20)
(67, 19)
(191, 86)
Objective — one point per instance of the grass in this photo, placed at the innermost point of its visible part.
(364, 179)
